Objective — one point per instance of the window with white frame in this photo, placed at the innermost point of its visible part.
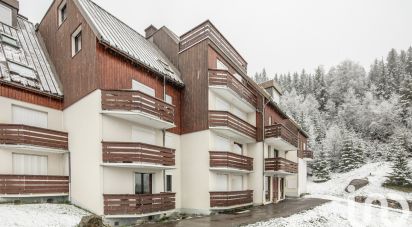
(136, 85)
(62, 12)
(270, 120)
(77, 41)
(24, 164)
(6, 15)
(169, 99)
(169, 183)
(26, 116)
(221, 65)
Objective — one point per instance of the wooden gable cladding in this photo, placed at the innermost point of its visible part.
(193, 66)
(25, 95)
(302, 140)
(270, 111)
(117, 73)
(77, 73)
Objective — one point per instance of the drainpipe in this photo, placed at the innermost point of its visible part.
(70, 176)
(164, 133)
(263, 150)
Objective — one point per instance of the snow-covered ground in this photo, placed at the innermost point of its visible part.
(375, 172)
(44, 215)
(342, 214)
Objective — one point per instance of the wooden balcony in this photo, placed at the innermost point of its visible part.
(231, 199)
(126, 204)
(34, 138)
(280, 166)
(281, 137)
(135, 155)
(226, 123)
(24, 185)
(307, 155)
(138, 107)
(227, 86)
(230, 162)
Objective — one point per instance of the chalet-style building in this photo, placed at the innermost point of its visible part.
(148, 125)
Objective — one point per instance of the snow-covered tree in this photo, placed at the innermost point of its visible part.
(405, 98)
(401, 174)
(347, 161)
(320, 168)
(261, 77)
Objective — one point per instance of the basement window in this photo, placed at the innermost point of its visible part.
(77, 41)
(22, 70)
(62, 12)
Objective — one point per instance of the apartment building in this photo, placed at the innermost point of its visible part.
(154, 124)
(34, 155)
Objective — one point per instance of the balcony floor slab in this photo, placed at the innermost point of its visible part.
(231, 133)
(280, 144)
(140, 118)
(33, 148)
(140, 166)
(229, 170)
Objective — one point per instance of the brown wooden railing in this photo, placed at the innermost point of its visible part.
(13, 134)
(281, 164)
(31, 184)
(125, 152)
(279, 130)
(226, 119)
(137, 101)
(230, 160)
(307, 154)
(230, 198)
(138, 204)
(224, 78)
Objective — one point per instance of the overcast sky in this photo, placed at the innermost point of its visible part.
(280, 35)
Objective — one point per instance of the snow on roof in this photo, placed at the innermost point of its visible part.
(116, 34)
(23, 61)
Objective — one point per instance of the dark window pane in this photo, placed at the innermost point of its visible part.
(168, 183)
(63, 13)
(78, 42)
(138, 183)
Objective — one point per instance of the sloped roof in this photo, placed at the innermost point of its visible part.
(24, 61)
(116, 34)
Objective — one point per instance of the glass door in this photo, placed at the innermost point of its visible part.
(143, 183)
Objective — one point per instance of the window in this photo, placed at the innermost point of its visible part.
(169, 99)
(143, 183)
(29, 164)
(136, 85)
(221, 65)
(9, 40)
(62, 12)
(5, 15)
(267, 188)
(22, 70)
(238, 148)
(270, 120)
(77, 41)
(168, 183)
(143, 135)
(30, 117)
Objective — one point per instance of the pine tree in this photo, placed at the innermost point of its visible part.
(347, 160)
(358, 156)
(383, 87)
(401, 174)
(320, 89)
(405, 100)
(320, 168)
(394, 71)
(408, 67)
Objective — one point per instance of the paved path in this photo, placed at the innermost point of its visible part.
(256, 214)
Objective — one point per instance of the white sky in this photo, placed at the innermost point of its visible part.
(279, 35)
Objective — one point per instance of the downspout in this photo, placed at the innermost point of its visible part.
(164, 133)
(70, 176)
(263, 146)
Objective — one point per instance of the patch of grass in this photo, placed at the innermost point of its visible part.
(398, 188)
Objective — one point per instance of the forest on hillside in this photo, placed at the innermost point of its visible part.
(351, 115)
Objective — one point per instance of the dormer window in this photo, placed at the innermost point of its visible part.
(6, 15)
(77, 41)
(62, 12)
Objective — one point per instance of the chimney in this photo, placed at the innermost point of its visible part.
(150, 31)
(273, 88)
(10, 7)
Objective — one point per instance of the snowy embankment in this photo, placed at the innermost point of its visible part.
(375, 172)
(44, 215)
(342, 214)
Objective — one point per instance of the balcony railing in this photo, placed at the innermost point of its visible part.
(307, 154)
(31, 184)
(230, 198)
(230, 160)
(279, 130)
(280, 164)
(13, 134)
(224, 78)
(138, 204)
(125, 100)
(124, 152)
(227, 119)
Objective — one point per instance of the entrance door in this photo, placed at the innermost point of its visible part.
(143, 183)
(282, 188)
(267, 188)
(275, 189)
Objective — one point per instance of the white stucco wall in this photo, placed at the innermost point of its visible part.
(84, 124)
(256, 179)
(195, 172)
